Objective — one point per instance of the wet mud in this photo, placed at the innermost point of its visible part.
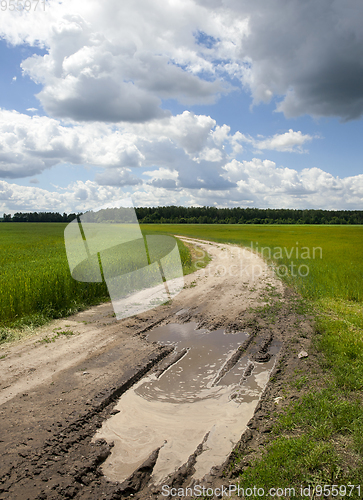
(206, 394)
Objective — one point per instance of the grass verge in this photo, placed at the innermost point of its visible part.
(317, 441)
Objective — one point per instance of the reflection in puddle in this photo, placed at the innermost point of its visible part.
(177, 408)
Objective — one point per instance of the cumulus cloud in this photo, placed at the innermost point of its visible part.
(110, 69)
(187, 130)
(289, 141)
(79, 196)
(162, 173)
(267, 185)
(258, 183)
(117, 177)
(29, 145)
(309, 52)
(117, 61)
(191, 153)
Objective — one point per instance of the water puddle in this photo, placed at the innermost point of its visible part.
(207, 393)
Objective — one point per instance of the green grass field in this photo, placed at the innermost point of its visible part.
(36, 285)
(35, 280)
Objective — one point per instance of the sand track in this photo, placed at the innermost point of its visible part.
(55, 394)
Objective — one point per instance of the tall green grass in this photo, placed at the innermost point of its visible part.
(35, 280)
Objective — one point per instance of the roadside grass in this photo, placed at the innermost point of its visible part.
(304, 466)
(317, 442)
(325, 414)
(341, 341)
(35, 281)
(192, 257)
(48, 340)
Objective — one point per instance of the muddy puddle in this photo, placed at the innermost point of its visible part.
(205, 393)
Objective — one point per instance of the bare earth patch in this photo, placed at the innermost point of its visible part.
(60, 385)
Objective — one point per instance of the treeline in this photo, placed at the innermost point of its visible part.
(39, 217)
(212, 215)
(205, 215)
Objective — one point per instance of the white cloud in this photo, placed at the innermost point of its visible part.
(190, 152)
(210, 154)
(271, 186)
(289, 141)
(163, 178)
(153, 195)
(79, 196)
(115, 61)
(117, 177)
(258, 183)
(30, 145)
(187, 130)
(162, 173)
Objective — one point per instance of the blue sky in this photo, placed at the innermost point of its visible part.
(220, 103)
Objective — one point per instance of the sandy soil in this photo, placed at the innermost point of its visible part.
(58, 386)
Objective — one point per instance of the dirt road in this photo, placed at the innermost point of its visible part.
(58, 386)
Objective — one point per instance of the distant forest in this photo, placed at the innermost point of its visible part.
(208, 215)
